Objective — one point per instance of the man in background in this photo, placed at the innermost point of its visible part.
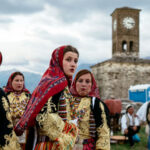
(130, 124)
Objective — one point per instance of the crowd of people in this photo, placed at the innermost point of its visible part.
(61, 113)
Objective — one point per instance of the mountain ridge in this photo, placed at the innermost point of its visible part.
(31, 79)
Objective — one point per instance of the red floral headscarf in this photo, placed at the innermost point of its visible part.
(94, 90)
(52, 82)
(1, 58)
(9, 87)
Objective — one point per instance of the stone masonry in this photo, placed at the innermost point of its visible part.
(115, 76)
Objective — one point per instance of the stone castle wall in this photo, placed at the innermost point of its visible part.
(114, 78)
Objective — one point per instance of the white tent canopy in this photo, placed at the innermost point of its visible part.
(139, 87)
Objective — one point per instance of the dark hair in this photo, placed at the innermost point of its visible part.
(70, 48)
(82, 72)
(15, 74)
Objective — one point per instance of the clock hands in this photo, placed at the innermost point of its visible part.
(128, 22)
(132, 23)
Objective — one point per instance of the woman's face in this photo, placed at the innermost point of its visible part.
(84, 84)
(18, 83)
(70, 61)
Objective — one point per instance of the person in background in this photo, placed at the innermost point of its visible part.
(144, 115)
(8, 138)
(49, 106)
(130, 124)
(91, 112)
(18, 97)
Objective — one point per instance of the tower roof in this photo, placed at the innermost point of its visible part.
(125, 8)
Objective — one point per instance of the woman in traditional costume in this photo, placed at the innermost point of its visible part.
(91, 112)
(49, 107)
(8, 138)
(18, 97)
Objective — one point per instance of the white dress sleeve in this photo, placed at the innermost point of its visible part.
(141, 113)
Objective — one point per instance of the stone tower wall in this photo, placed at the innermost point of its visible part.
(123, 34)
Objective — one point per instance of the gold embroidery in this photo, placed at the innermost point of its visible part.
(103, 132)
(84, 106)
(8, 115)
(11, 142)
(50, 123)
(69, 98)
(17, 105)
(5, 104)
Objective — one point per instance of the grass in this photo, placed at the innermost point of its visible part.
(142, 145)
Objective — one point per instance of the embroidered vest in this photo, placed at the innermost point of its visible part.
(128, 120)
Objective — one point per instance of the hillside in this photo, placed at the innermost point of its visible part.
(31, 79)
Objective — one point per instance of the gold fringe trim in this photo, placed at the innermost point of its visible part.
(11, 142)
(103, 132)
(8, 115)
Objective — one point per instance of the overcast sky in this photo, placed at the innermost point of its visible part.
(31, 29)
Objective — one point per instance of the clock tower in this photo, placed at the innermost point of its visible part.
(125, 32)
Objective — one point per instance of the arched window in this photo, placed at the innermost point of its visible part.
(124, 46)
(131, 46)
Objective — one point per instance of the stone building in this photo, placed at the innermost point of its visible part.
(125, 68)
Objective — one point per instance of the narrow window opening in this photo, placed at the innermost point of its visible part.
(131, 46)
(124, 46)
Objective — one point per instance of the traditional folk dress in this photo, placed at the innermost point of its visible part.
(49, 109)
(8, 138)
(18, 102)
(54, 130)
(93, 120)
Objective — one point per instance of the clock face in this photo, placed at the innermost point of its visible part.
(115, 25)
(128, 22)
